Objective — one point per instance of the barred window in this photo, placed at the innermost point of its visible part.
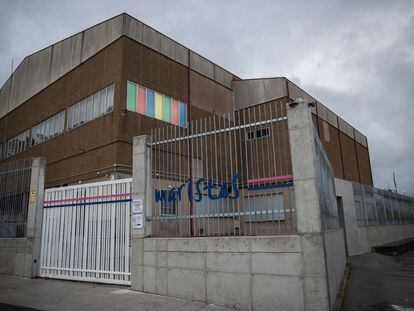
(92, 107)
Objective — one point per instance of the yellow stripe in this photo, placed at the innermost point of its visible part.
(158, 106)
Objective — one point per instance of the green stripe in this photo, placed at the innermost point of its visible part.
(166, 108)
(131, 96)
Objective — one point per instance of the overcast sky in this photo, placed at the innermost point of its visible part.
(356, 57)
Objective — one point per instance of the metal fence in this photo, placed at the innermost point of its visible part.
(224, 175)
(376, 207)
(326, 187)
(14, 197)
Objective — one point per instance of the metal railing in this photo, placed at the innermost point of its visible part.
(377, 207)
(224, 175)
(326, 187)
(14, 197)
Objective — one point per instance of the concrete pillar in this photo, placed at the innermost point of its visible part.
(141, 196)
(309, 224)
(35, 216)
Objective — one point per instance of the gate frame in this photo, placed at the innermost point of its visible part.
(127, 249)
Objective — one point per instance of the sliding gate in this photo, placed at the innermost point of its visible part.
(86, 232)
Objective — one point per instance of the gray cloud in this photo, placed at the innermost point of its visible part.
(357, 57)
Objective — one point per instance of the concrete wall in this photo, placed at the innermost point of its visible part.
(16, 257)
(247, 273)
(387, 234)
(335, 260)
(356, 237)
(248, 93)
(360, 240)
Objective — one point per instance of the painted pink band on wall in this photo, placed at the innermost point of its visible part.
(266, 179)
(90, 198)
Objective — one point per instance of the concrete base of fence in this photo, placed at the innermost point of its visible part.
(387, 234)
(246, 273)
(16, 257)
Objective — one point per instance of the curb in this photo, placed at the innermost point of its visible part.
(340, 297)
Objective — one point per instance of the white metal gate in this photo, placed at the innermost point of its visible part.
(86, 232)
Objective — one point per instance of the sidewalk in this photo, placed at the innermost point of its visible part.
(380, 282)
(66, 295)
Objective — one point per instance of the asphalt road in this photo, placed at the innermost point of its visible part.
(380, 282)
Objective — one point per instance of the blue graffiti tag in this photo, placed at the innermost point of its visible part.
(225, 190)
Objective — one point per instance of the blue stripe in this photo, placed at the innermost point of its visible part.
(150, 103)
(289, 184)
(88, 203)
(183, 119)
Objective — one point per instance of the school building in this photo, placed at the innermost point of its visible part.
(129, 159)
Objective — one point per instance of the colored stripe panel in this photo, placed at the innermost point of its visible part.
(150, 103)
(158, 106)
(131, 96)
(290, 184)
(89, 203)
(266, 179)
(183, 114)
(141, 100)
(174, 111)
(90, 198)
(166, 108)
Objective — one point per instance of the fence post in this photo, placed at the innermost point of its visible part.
(309, 224)
(141, 207)
(35, 216)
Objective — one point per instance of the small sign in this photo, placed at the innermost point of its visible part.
(32, 196)
(137, 221)
(137, 206)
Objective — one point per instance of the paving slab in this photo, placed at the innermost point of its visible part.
(47, 294)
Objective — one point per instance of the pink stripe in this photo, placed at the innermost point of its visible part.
(141, 100)
(90, 198)
(174, 112)
(265, 179)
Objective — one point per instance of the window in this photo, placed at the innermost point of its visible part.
(168, 208)
(17, 144)
(2, 151)
(92, 107)
(48, 128)
(155, 105)
(258, 133)
(265, 207)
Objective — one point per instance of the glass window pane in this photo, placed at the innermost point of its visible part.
(69, 119)
(95, 111)
(52, 127)
(76, 113)
(102, 102)
(59, 122)
(82, 112)
(89, 108)
(131, 96)
(47, 129)
(110, 98)
(42, 132)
